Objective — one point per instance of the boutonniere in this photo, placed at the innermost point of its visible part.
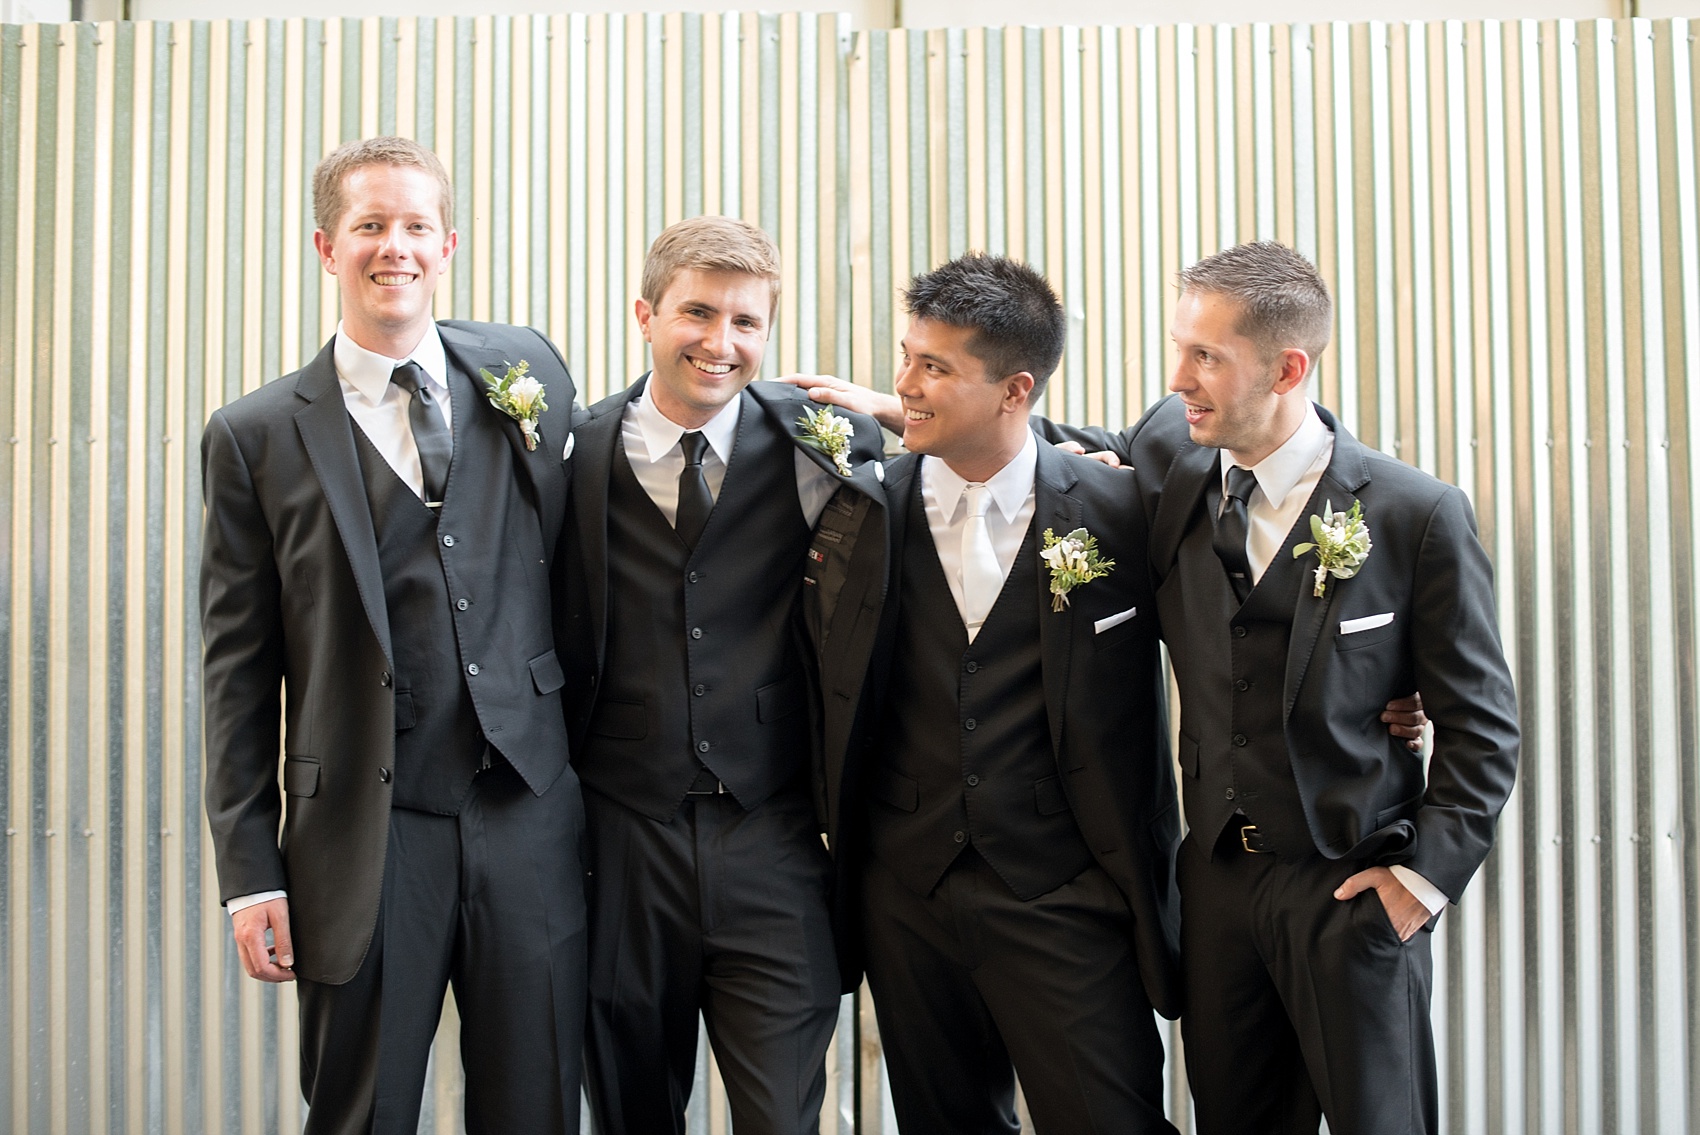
(829, 433)
(1340, 541)
(519, 396)
(1073, 560)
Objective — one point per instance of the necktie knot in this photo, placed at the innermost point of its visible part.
(410, 377)
(1232, 528)
(978, 498)
(430, 432)
(695, 499)
(694, 445)
(1241, 482)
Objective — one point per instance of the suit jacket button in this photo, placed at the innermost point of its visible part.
(973, 780)
(971, 666)
(448, 541)
(1242, 685)
(472, 669)
(699, 689)
(692, 577)
(462, 605)
(1229, 794)
(970, 725)
(702, 746)
(696, 632)
(384, 679)
(1239, 740)
(1239, 632)
(959, 837)
(383, 776)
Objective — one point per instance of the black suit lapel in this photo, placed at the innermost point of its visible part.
(327, 433)
(470, 352)
(1189, 478)
(1056, 509)
(593, 452)
(1347, 472)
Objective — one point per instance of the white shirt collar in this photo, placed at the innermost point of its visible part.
(1010, 486)
(369, 372)
(1287, 466)
(661, 433)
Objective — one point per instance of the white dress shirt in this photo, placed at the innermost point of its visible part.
(1285, 481)
(1007, 520)
(657, 459)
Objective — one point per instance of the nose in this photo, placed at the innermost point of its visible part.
(903, 384)
(392, 243)
(1178, 380)
(716, 337)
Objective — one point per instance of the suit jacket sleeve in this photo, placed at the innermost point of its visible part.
(1466, 687)
(243, 667)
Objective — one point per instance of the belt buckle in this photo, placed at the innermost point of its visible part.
(1249, 833)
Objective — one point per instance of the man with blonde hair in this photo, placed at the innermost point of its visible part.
(692, 503)
(378, 543)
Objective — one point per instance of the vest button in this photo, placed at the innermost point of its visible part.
(1239, 632)
(973, 780)
(960, 837)
(696, 632)
(1242, 685)
(448, 541)
(384, 679)
(383, 776)
(699, 689)
(692, 577)
(702, 746)
(462, 605)
(1239, 740)
(1229, 794)
(970, 724)
(472, 669)
(971, 666)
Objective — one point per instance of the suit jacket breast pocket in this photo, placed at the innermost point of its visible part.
(1126, 630)
(1360, 639)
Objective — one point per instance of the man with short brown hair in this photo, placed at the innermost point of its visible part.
(378, 541)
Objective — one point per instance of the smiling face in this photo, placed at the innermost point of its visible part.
(387, 251)
(954, 410)
(1237, 398)
(708, 333)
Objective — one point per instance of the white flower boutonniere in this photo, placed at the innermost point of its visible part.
(1341, 542)
(1073, 560)
(520, 397)
(829, 433)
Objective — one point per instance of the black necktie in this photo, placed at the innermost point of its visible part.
(430, 432)
(1231, 529)
(695, 501)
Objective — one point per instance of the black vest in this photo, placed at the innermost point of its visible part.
(966, 737)
(702, 667)
(439, 744)
(1232, 675)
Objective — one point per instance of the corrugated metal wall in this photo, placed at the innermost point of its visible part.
(1508, 213)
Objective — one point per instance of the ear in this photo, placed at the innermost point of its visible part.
(1017, 388)
(1293, 368)
(641, 309)
(450, 243)
(322, 245)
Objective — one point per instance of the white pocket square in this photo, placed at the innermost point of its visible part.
(1367, 623)
(1114, 620)
(568, 451)
(879, 471)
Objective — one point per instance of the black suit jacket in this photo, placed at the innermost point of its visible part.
(1427, 568)
(291, 595)
(1104, 695)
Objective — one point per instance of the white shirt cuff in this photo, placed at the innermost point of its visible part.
(1426, 892)
(243, 902)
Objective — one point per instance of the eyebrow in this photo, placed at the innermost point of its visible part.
(688, 301)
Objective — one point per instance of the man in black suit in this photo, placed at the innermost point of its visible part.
(1006, 733)
(1306, 992)
(378, 542)
(692, 505)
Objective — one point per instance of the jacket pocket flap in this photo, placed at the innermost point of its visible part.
(546, 673)
(901, 792)
(622, 719)
(1048, 796)
(300, 776)
(780, 699)
(406, 717)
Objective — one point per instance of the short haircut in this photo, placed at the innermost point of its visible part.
(708, 244)
(1017, 322)
(331, 174)
(1283, 300)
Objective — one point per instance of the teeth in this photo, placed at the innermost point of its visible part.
(916, 415)
(712, 368)
(393, 280)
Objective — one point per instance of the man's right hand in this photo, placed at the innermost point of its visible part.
(267, 963)
(883, 408)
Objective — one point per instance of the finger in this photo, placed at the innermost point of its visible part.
(1106, 457)
(1356, 885)
(1410, 703)
(283, 947)
(1416, 745)
(1072, 447)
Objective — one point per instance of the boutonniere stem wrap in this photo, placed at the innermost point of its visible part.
(519, 396)
(830, 433)
(1341, 543)
(1073, 560)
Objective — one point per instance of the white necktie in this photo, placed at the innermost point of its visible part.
(982, 578)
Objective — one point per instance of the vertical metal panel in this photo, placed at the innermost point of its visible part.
(1507, 212)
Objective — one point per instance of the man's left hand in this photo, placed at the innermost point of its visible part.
(1403, 909)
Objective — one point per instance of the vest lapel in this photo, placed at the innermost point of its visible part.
(327, 434)
(1055, 509)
